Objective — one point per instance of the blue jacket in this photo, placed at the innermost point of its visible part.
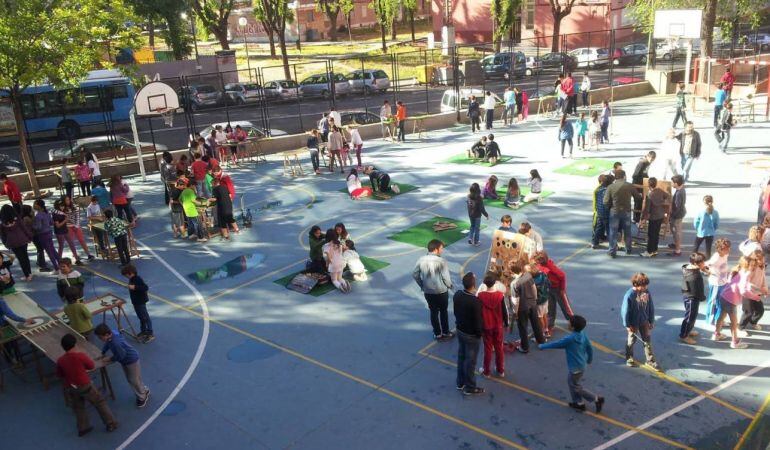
(706, 224)
(601, 208)
(719, 97)
(637, 309)
(578, 350)
(567, 131)
(122, 352)
(5, 311)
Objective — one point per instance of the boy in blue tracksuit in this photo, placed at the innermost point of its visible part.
(638, 315)
(128, 357)
(579, 353)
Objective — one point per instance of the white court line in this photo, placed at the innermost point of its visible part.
(195, 361)
(683, 406)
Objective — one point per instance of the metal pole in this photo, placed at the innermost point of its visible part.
(132, 118)
(195, 40)
(427, 92)
(246, 46)
(363, 78)
(299, 101)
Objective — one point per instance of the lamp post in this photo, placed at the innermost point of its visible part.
(243, 22)
(184, 16)
(295, 6)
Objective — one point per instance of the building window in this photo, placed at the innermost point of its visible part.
(310, 17)
(530, 5)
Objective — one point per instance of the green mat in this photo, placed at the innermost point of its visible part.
(524, 191)
(403, 189)
(463, 159)
(586, 167)
(422, 233)
(372, 265)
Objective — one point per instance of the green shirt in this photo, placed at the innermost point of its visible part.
(115, 227)
(680, 102)
(79, 316)
(187, 199)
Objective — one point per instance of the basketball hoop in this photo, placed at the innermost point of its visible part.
(167, 114)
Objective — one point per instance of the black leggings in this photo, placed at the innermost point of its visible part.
(709, 240)
(124, 212)
(23, 257)
(121, 243)
(85, 188)
(563, 141)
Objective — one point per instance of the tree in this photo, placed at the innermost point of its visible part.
(347, 7)
(261, 15)
(410, 7)
(331, 8)
(170, 12)
(559, 12)
(396, 5)
(274, 15)
(503, 16)
(214, 15)
(384, 10)
(56, 42)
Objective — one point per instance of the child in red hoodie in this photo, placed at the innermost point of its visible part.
(495, 318)
(558, 292)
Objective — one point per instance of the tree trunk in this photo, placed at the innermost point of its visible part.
(411, 23)
(382, 33)
(707, 28)
(23, 149)
(393, 30)
(332, 26)
(221, 35)
(284, 55)
(350, 32)
(151, 32)
(270, 37)
(556, 30)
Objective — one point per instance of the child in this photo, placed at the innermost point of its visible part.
(225, 217)
(138, 289)
(78, 314)
(526, 229)
(730, 298)
(490, 189)
(512, 194)
(754, 241)
(594, 131)
(706, 224)
(342, 232)
(582, 128)
(61, 231)
(316, 240)
(335, 262)
(353, 261)
(505, 224)
(492, 150)
(101, 193)
(753, 289)
(94, 214)
(177, 212)
(543, 287)
(678, 211)
(693, 292)
(495, 317)
(128, 357)
(638, 315)
(187, 199)
(719, 276)
(66, 178)
(566, 132)
(601, 212)
(83, 174)
(6, 277)
(558, 290)
(118, 231)
(475, 204)
(579, 353)
(72, 212)
(535, 184)
(68, 277)
(41, 227)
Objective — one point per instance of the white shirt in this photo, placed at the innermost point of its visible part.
(585, 86)
(337, 119)
(355, 137)
(489, 102)
(385, 112)
(353, 262)
(537, 239)
(220, 137)
(333, 255)
(93, 209)
(748, 247)
(94, 166)
(719, 273)
(353, 183)
(665, 164)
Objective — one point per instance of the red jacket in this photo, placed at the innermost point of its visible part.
(493, 309)
(556, 276)
(228, 183)
(728, 80)
(12, 191)
(73, 366)
(568, 86)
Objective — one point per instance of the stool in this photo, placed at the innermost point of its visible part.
(419, 127)
(291, 164)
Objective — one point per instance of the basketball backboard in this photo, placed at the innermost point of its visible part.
(677, 23)
(154, 98)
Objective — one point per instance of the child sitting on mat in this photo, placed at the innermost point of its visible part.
(353, 261)
(355, 189)
(335, 262)
(512, 194)
(490, 189)
(535, 183)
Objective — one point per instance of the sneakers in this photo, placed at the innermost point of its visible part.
(501, 374)
(630, 362)
(687, 340)
(757, 327)
(147, 338)
(738, 345)
(112, 427)
(473, 391)
(82, 433)
(743, 334)
(476, 244)
(694, 333)
(522, 350)
(78, 262)
(716, 337)
(578, 406)
(447, 336)
(460, 388)
(648, 254)
(484, 374)
(91, 257)
(654, 366)
(470, 242)
(45, 269)
(142, 402)
(671, 246)
(599, 404)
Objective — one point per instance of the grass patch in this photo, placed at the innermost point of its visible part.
(463, 159)
(372, 265)
(524, 191)
(586, 167)
(422, 233)
(403, 189)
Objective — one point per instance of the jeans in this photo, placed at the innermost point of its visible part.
(521, 322)
(585, 98)
(402, 130)
(753, 310)
(569, 141)
(493, 343)
(725, 140)
(581, 140)
(201, 189)
(467, 356)
(687, 165)
(680, 113)
(473, 232)
(358, 148)
(690, 316)
(194, 226)
(121, 243)
(133, 374)
(576, 391)
(314, 159)
(508, 113)
(717, 110)
(605, 130)
(653, 235)
(490, 117)
(439, 318)
(124, 212)
(676, 233)
(572, 104)
(77, 398)
(558, 296)
(145, 323)
(475, 124)
(68, 188)
(600, 229)
(85, 188)
(619, 222)
(707, 240)
(644, 332)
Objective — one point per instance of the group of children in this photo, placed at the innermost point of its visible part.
(333, 252)
(596, 129)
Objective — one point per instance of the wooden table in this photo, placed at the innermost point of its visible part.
(248, 149)
(111, 252)
(102, 305)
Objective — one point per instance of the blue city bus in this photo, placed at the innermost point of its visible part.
(101, 103)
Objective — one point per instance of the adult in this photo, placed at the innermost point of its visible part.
(11, 190)
(93, 166)
(221, 139)
(356, 142)
(167, 173)
(474, 113)
(604, 122)
(640, 173)
(16, 236)
(313, 148)
(561, 96)
(618, 199)
(568, 86)
(667, 161)
(524, 295)
(489, 109)
(689, 148)
(355, 189)
(509, 111)
(655, 211)
(335, 116)
(118, 192)
(386, 113)
(726, 123)
(401, 119)
(727, 80)
(380, 180)
(681, 104)
(566, 132)
(323, 127)
(601, 213)
(585, 89)
(469, 324)
(336, 143)
(431, 273)
(678, 211)
(720, 96)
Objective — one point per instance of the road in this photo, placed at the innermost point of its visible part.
(295, 117)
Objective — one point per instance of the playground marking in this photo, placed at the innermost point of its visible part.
(753, 423)
(684, 406)
(296, 354)
(195, 361)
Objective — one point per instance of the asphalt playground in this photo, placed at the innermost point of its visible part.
(241, 362)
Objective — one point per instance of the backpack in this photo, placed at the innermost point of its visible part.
(543, 286)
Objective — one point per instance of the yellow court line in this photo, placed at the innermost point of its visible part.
(424, 351)
(563, 403)
(330, 368)
(753, 423)
(670, 378)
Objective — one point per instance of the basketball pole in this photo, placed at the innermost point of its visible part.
(140, 160)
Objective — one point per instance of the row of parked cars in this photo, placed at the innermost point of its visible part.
(322, 85)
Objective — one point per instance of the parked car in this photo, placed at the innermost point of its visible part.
(558, 60)
(668, 51)
(502, 65)
(533, 66)
(242, 93)
(633, 54)
(281, 90)
(450, 99)
(199, 96)
(369, 81)
(97, 145)
(251, 130)
(761, 40)
(320, 86)
(358, 117)
(591, 56)
(8, 165)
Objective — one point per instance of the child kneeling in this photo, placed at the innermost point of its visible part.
(353, 262)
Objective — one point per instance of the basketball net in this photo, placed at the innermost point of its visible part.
(167, 114)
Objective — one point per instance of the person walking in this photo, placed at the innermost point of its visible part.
(585, 89)
(618, 200)
(656, 209)
(509, 111)
(470, 325)
(706, 224)
(604, 122)
(401, 119)
(719, 275)
(681, 104)
(638, 315)
(601, 223)
(754, 290)
(475, 204)
(720, 97)
(489, 109)
(727, 80)
(566, 133)
(431, 273)
(568, 86)
(579, 353)
(474, 114)
(693, 292)
(726, 124)
(689, 148)
(678, 211)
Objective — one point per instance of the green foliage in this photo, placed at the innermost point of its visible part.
(504, 14)
(214, 15)
(177, 32)
(385, 11)
(643, 11)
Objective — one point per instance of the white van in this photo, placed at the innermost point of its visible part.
(449, 99)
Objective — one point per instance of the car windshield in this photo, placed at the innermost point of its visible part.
(288, 84)
(251, 87)
(205, 89)
(602, 51)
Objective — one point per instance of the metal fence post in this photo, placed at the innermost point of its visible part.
(363, 79)
(425, 70)
(227, 103)
(299, 101)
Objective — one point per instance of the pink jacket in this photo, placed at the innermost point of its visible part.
(740, 286)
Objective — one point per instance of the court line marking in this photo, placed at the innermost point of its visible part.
(315, 362)
(684, 406)
(556, 401)
(193, 364)
(753, 423)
